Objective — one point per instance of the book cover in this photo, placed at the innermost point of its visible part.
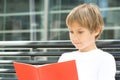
(55, 71)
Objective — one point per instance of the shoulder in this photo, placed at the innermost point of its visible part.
(105, 55)
(67, 56)
(69, 53)
(107, 62)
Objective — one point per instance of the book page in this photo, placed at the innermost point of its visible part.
(59, 71)
(54, 71)
(26, 71)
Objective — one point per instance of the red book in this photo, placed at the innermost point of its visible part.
(56, 71)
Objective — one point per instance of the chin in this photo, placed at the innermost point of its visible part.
(80, 48)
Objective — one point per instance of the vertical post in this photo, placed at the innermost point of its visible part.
(46, 9)
(4, 19)
(32, 20)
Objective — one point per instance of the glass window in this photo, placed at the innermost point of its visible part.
(57, 27)
(1, 6)
(41, 20)
(1, 23)
(59, 9)
(1, 28)
(64, 4)
(1, 36)
(13, 6)
(17, 36)
(39, 6)
(17, 23)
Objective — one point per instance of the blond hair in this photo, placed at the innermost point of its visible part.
(87, 15)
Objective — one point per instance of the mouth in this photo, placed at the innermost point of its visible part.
(76, 43)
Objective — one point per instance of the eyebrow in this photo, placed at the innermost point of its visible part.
(76, 29)
(80, 29)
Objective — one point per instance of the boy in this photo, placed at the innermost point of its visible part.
(85, 25)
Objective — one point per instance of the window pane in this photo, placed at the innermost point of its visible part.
(39, 22)
(64, 4)
(1, 28)
(1, 24)
(28, 18)
(1, 6)
(17, 23)
(57, 16)
(39, 5)
(13, 6)
(1, 36)
(60, 8)
(15, 28)
(15, 36)
(57, 25)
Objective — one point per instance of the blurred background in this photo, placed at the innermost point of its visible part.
(26, 24)
(43, 20)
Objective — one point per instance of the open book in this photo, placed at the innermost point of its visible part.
(55, 71)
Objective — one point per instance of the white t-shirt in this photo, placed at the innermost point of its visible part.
(92, 65)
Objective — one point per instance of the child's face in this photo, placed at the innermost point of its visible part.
(81, 37)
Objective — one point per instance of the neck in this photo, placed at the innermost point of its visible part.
(92, 47)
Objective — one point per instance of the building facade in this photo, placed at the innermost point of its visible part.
(43, 20)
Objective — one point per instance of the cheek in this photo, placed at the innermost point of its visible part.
(70, 36)
(90, 38)
(87, 39)
(74, 37)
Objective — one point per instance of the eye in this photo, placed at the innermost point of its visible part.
(71, 32)
(80, 32)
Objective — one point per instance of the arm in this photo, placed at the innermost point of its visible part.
(107, 69)
(65, 57)
(61, 58)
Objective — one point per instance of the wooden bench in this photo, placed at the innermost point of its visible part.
(44, 52)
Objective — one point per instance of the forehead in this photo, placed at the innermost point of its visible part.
(75, 25)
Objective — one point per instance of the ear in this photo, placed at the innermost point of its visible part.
(97, 31)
